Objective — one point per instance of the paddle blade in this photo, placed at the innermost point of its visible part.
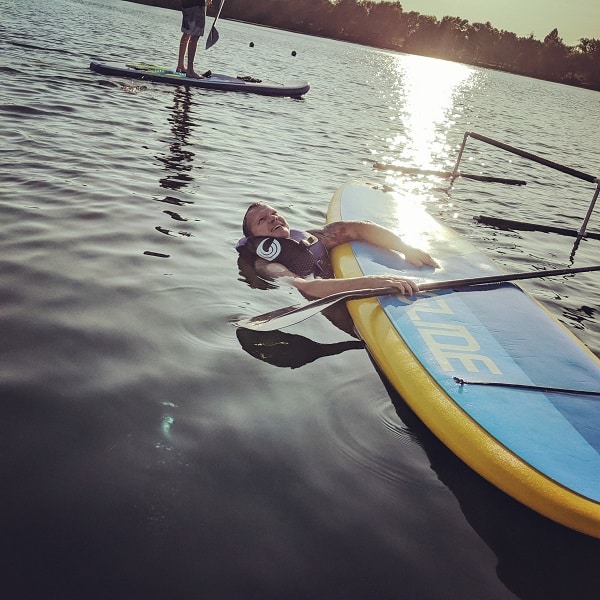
(212, 38)
(290, 315)
(280, 318)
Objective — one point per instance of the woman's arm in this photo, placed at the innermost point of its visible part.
(319, 288)
(341, 232)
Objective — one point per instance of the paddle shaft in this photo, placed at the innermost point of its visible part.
(218, 14)
(213, 34)
(284, 317)
(444, 285)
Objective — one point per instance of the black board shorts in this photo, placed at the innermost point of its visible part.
(193, 20)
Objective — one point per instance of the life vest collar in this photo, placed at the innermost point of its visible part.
(302, 253)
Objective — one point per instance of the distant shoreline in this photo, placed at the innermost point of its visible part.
(452, 38)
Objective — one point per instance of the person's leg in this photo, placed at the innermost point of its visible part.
(191, 55)
(183, 46)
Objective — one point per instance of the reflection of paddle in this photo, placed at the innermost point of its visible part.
(213, 34)
(448, 174)
(289, 350)
(290, 315)
(522, 226)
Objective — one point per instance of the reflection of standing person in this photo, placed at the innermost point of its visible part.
(178, 161)
(192, 27)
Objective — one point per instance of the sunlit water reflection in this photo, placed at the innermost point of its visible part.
(426, 105)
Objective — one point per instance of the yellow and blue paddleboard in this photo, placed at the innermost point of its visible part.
(528, 417)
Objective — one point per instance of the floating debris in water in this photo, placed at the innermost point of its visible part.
(158, 254)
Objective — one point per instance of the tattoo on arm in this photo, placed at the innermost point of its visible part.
(333, 234)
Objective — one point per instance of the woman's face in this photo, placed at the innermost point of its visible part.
(263, 220)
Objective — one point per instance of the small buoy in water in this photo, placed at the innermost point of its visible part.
(251, 44)
(293, 53)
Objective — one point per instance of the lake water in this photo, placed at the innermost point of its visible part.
(146, 451)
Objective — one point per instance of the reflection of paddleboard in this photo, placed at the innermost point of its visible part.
(215, 81)
(541, 447)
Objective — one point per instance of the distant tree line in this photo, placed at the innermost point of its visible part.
(385, 25)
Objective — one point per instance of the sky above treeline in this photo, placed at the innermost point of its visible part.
(574, 19)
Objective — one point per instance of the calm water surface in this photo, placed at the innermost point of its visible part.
(146, 451)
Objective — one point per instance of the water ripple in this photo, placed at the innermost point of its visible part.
(370, 434)
(121, 205)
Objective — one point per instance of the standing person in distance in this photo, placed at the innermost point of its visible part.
(192, 28)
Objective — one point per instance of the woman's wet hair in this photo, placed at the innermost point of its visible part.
(245, 226)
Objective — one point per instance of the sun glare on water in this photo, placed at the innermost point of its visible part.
(429, 95)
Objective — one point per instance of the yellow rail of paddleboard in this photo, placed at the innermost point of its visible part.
(447, 421)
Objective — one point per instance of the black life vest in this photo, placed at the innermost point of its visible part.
(301, 253)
